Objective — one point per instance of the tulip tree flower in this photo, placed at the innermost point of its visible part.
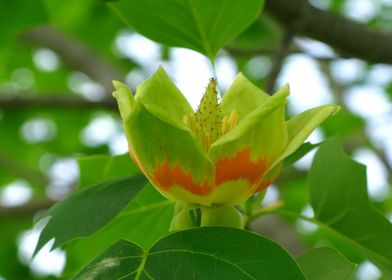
(218, 156)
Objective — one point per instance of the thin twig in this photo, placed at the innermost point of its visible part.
(75, 54)
(278, 60)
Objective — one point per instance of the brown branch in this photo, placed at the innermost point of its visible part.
(235, 51)
(26, 210)
(74, 54)
(22, 170)
(245, 52)
(277, 61)
(350, 38)
(280, 230)
(56, 102)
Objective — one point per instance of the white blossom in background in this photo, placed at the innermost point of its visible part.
(361, 10)
(308, 87)
(46, 60)
(15, 194)
(45, 262)
(38, 130)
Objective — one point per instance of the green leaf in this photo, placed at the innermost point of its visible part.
(299, 153)
(86, 211)
(198, 253)
(262, 33)
(115, 263)
(325, 264)
(145, 220)
(98, 168)
(340, 202)
(345, 124)
(203, 25)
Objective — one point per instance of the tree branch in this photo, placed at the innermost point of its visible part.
(242, 52)
(22, 170)
(74, 54)
(276, 228)
(56, 102)
(277, 61)
(234, 51)
(26, 210)
(350, 38)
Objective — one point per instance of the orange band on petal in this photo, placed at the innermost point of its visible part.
(227, 169)
(240, 167)
(166, 177)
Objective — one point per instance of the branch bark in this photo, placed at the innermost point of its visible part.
(277, 61)
(56, 102)
(74, 54)
(276, 228)
(26, 210)
(22, 170)
(348, 37)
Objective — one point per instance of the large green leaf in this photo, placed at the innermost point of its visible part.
(345, 124)
(325, 264)
(145, 220)
(98, 168)
(300, 153)
(198, 253)
(340, 202)
(201, 25)
(263, 32)
(86, 211)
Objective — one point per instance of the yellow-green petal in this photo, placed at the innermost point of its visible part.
(302, 125)
(243, 156)
(163, 99)
(125, 99)
(263, 130)
(243, 97)
(170, 157)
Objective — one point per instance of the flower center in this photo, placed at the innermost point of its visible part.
(207, 123)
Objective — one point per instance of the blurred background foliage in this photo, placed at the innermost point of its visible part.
(57, 61)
